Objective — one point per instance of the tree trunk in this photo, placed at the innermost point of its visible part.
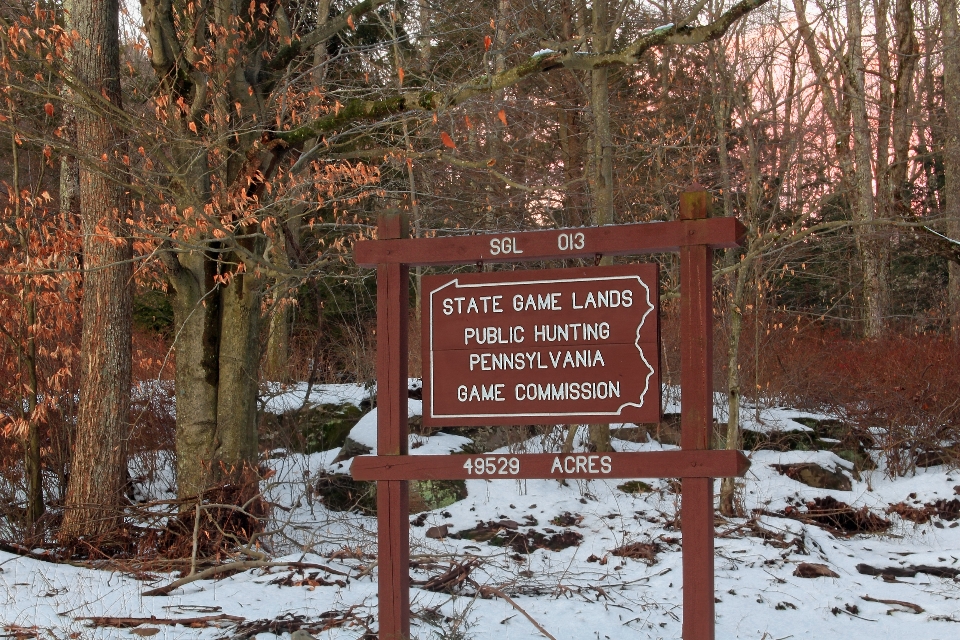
(600, 175)
(902, 128)
(870, 248)
(239, 357)
(278, 342)
(951, 149)
(217, 357)
(32, 459)
(98, 469)
(721, 112)
(28, 361)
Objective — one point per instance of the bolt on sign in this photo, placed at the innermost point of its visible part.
(545, 346)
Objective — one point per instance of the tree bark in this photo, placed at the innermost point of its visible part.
(600, 164)
(951, 149)
(903, 98)
(873, 256)
(98, 469)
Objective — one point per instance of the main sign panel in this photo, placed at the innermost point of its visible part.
(532, 347)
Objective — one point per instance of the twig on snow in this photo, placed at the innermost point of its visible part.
(493, 591)
(237, 566)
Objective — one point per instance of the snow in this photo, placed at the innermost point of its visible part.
(758, 595)
(280, 398)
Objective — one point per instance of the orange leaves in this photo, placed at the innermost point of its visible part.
(487, 41)
(192, 126)
(502, 116)
(400, 74)
(48, 108)
(447, 140)
(350, 22)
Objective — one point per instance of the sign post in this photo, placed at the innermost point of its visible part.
(550, 346)
(696, 423)
(393, 498)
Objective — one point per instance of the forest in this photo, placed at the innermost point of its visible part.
(183, 183)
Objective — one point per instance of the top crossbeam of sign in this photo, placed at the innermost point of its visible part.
(554, 244)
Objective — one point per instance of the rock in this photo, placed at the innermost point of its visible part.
(838, 516)
(813, 475)
(300, 634)
(931, 458)
(909, 571)
(635, 486)
(314, 427)
(350, 449)
(438, 533)
(340, 492)
(509, 524)
(428, 495)
(495, 534)
(814, 570)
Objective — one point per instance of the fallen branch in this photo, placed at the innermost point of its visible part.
(899, 603)
(493, 591)
(447, 582)
(237, 566)
(125, 623)
(26, 552)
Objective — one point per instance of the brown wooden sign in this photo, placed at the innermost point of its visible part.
(595, 466)
(546, 346)
(553, 244)
(471, 348)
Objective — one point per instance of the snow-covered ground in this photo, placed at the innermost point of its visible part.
(581, 592)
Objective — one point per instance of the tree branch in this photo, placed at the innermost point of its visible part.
(359, 109)
(238, 566)
(324, 32)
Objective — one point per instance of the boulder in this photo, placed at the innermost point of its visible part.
(813, 475)
(438, 533)
(814, 570)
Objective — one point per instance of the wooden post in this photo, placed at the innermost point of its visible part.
(696, 422)
(393, 527)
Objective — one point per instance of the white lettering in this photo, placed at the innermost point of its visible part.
(605, 466)
(481, 393)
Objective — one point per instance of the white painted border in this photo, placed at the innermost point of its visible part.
(457, 285)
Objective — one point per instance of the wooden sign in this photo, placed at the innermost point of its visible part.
(547, 346)
(595, 466)
(473, 348)
(553, 244)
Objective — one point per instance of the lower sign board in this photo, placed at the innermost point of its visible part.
(646, 464)
(534, 347)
